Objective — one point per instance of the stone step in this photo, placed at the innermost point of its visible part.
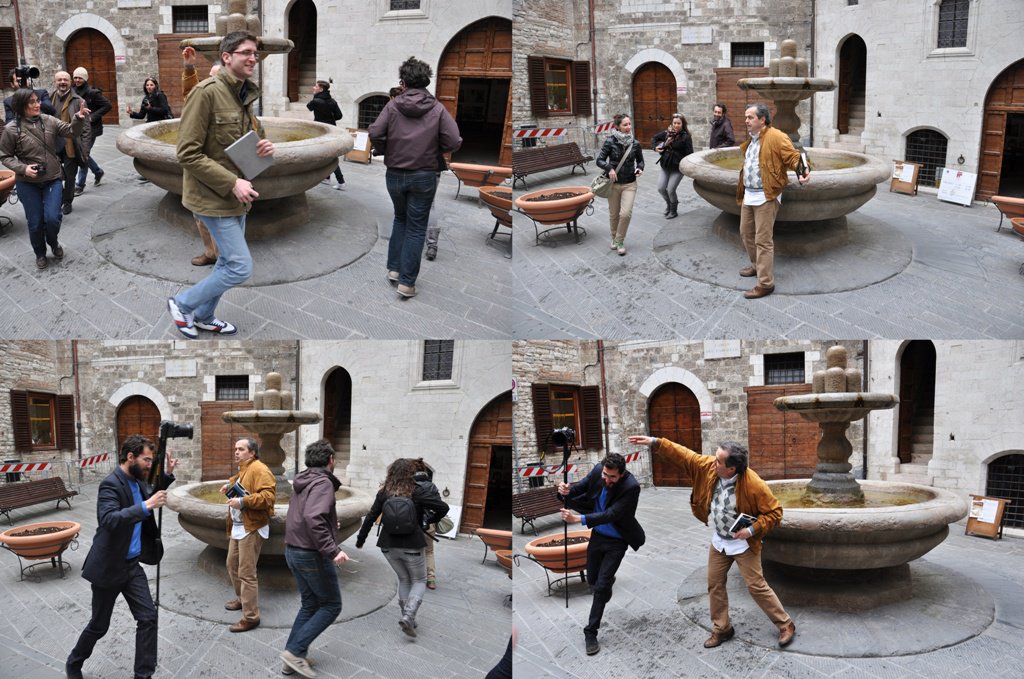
(921, 448)
(920, 458)
(912, 473)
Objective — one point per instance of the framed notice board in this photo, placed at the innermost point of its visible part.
(986, 516)
(904, 177)
(362, 148)
(957, 186)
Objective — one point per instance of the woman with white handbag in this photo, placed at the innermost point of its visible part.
(622, 159)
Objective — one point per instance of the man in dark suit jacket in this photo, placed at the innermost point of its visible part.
(608, 496)
(127, 536)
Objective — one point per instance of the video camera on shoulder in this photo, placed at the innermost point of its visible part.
(24, 73)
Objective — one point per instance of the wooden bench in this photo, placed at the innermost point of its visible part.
(1008, 207)
(534, 504)
(17, 495)
(541, 158)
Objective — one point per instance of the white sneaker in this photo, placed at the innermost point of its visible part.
(184, 322)
(339, 187)
(285, 669)
(298, 664)
(216, 325)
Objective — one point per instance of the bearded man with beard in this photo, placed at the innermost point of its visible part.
(127, 536)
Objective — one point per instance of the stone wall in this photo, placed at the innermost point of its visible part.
(33, 365)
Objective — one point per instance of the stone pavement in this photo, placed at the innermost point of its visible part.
(325, 281)
(943, 272)
(966, 620)
(463, 624)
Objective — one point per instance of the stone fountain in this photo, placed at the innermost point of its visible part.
(202, 508)
(305, 152)
(841, 181)
(842, 541)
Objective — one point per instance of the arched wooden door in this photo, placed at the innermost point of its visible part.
(487, 497)
(1002, 136)
(674, 413)
(302, 59)
(474, 78)
(917, 400)
(654, 101)
(338, 416)
(852, 69)
(91, 49)
(137, 415)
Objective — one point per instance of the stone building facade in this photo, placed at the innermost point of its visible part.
(653, 58)
(722, 376)
(42, 367)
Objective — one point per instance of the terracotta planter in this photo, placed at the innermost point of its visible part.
(495, 539)
(480, 175)
(505, 559)
(38, 547)
(553, 558)
(499, 201)
(560, 211)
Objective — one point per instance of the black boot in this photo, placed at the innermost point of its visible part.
(592, 646)
(668, 207)
(672, 214)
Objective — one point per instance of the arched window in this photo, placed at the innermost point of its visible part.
(953, 23)
(370, 108)
(1006, 480)
(927, 147)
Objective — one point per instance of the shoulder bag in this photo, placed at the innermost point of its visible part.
(602, 184)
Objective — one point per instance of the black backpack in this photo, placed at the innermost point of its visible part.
(399, 516)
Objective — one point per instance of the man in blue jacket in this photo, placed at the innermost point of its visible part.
(127, 537)
(608, 497)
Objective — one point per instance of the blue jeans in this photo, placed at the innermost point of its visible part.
(412, 192)
(83, 172)
(41, 201)
(233, 267)
(321, 597)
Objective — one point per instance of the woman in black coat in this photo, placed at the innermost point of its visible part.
(673, 144)
(326, 110)
(620, 201)
(154, 103)
(403, 548)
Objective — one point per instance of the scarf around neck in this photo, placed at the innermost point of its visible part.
(625, 139)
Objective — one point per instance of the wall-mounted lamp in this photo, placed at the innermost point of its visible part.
(960, 159)
(445, 492)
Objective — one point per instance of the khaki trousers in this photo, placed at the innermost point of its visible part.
(209, 245)
(429, 551)
(750, 569)
(757, 229)
(620, 209)
(242, 557)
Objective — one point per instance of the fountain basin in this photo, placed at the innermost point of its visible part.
(305, 152)
(830, 194)
(863, 538)
(202, 512)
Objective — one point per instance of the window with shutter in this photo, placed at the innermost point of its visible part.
(560, 405)
(581, 88)
(535, 82)
(8, 50)
(42, 421)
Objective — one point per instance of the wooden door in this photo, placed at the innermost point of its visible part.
(736, 100)
(338, 416)
(845, 85)
(782, 444)
(91, 49)
(505, 158)
(218, 437)
(493, 427)
(1005, 96)
(654, 101)
(137, 415)
(674, 413)
(302, 32)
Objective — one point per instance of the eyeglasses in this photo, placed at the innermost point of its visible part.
(245, 53)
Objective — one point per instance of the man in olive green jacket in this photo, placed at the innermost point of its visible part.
(217, 113)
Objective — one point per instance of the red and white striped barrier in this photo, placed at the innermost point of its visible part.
(94, 460)
(546, 470)
(632, 457)
(603, 127)
(25, 467)
(541, 132)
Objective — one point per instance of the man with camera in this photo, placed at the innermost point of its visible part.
(609, 496)
(251, 495)
(72, 153)
(98, 107)
(127, 536)
(20, 78)
(723, 489)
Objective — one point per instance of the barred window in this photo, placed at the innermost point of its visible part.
(404, 4)
(784, 368)
(190, 19)
(1006, 480)
(437, 359)
(747, 54)
(953, 23)
(232, 388)
(927, 147)
(370, 108)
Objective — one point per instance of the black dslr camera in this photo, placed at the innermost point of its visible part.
(24, 73)
(168, 430)
(40, 169)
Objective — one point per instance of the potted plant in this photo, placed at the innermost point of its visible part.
(42, 540)
(499, 200)
(549, 551)
(479, 175)
(556, 205)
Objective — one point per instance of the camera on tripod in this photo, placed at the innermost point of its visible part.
(168, 430)
(173, 430)
(24, 73)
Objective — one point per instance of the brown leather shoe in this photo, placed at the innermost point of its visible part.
(717, 638)
(203, 260)
(786, 634)
(233, 605)
(758, 292)
(748, 271)
(244, 625)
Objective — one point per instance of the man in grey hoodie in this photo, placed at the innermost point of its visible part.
(311, 550)
(412, 132)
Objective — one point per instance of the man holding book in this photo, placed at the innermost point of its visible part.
(724, 489)
(251, 495)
